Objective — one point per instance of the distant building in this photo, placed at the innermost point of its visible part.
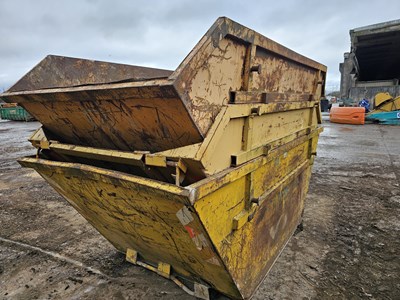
(373, 63)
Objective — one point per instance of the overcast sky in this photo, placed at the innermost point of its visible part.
(161, 33)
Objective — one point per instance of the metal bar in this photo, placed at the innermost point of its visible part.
(246, 156)
(268, 97)
(239, 111)
(248, 134)
(156, 161)
(129, 158)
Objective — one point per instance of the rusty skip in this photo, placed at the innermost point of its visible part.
(199, 173)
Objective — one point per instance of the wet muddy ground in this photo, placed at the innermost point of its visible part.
(349, 248)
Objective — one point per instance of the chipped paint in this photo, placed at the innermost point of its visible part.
(202, 172)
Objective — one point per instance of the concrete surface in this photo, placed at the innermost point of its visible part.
(349, 248)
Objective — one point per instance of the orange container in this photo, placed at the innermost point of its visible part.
(347, 115)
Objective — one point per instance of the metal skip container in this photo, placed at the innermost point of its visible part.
(199, 174)
(14, 112)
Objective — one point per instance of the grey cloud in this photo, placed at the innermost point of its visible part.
(161, 33)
